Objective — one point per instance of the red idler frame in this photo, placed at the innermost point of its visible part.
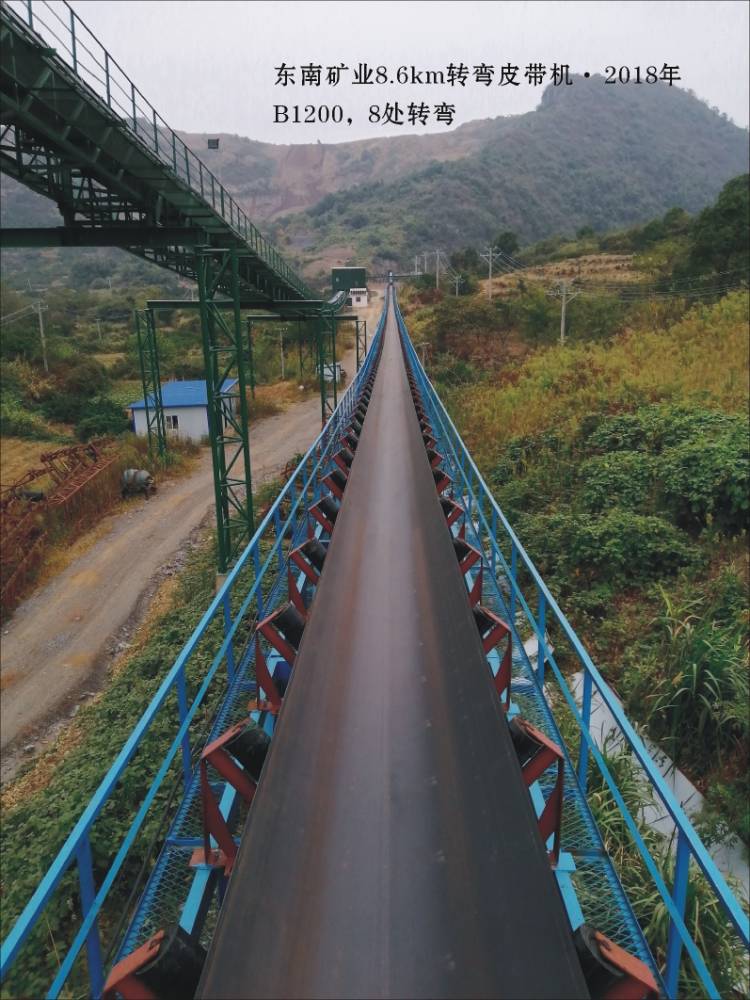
(435, 458)
(283, 630)
(452, 512)
(214, 824)
(350, 440)
(535, 754)
(429, 440)
(308, 558)
(168, 964)
(122, 981)
(611, 973)
(442, 481)
(336, 482)
(492, 631)
(325, 512)
(467, 557)
(344, 459)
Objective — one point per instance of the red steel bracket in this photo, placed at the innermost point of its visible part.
(442, 482)
(637, 982)
(297, 557)
(471, 558)
(272, 635)
(322, 520)
(452, 512)
(333, 486)
(548, 754)
(122, 979)
(214, 824)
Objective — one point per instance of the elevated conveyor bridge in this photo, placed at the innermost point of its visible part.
(75, 128)
(378, 782)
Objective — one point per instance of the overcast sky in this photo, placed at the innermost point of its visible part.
(210, 66)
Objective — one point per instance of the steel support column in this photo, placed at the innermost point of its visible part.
(148, 356)
(223, 353)
(334, 381)
(250, 358)
(361, 338)
(325, 341)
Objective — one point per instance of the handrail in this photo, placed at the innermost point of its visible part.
(689, 844)
(108, 82)
(77, 845)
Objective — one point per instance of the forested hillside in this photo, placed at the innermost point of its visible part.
(593, 155)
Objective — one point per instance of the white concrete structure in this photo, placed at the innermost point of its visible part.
(185, 409)
(359, 296)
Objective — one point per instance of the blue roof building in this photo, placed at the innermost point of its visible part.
(185, 408)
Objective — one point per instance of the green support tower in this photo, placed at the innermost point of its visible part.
(148, 355)
(223, 352)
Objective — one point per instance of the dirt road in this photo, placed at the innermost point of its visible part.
(58, 643)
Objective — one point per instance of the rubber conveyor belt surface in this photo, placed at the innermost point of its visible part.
(392, 849)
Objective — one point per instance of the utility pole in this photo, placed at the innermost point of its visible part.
(416, 263)
(425, 263)
(565, 292)
(458, 279)
(281, 349)
(438, 255)
(423, 346)
(491, 255)
(39, 310)
(37, 307)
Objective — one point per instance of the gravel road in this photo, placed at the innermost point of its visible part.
(57, 646)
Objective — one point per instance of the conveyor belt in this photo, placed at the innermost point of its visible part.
(392, 849)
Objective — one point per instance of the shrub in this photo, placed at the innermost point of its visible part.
(17, 421)
(102, 417)
(64, 407)
(706, 480)
(616, 547)
(88, 377)
(623, 479)
(452, 370)
(653, 428)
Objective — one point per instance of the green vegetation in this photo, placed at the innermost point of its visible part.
(623, 466)
(36, 823)
(710, 929)
(94, 369)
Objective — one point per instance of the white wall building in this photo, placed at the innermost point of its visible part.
(359, 296)
(185, 409)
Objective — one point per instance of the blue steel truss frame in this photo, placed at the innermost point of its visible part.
(238, 604)
(505, 552)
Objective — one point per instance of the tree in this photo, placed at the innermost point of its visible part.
(467, 261)
(506, 241)
(720, 233)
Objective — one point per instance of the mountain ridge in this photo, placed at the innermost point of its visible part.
(590, 154)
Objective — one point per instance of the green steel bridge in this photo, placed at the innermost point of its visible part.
(76, 129)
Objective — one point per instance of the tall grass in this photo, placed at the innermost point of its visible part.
(724, 954)
(704, 359)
